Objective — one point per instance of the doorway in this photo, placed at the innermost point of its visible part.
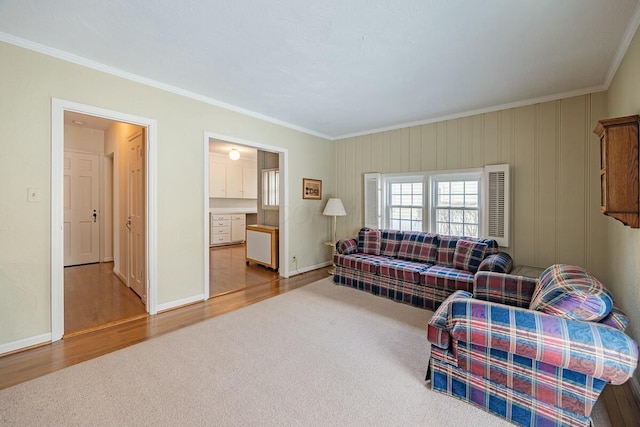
(146, 166)
(283, 196)
(94, 291)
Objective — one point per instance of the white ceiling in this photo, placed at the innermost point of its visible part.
(340, 67)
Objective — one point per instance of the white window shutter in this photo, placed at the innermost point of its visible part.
(497, 203)
(372, 200)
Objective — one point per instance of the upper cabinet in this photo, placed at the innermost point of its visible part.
(233, 179)
(619, 160)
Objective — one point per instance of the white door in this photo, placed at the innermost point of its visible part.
(81, 203)
(136, 271)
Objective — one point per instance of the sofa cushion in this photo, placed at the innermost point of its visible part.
(407, 271)
(449, 278)
(390, 242)
(363, 262)
(369, 241)
(447, 248)
(419, 246)
(468, 255)
(570, 292)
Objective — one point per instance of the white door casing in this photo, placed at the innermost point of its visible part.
(283, 165)
(136, 253)
(81, 205)
(58, 107)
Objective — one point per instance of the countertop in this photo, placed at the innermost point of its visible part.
(224, 211)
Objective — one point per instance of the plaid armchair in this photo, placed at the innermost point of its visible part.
(500, 350)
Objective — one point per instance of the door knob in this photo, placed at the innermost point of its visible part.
(95, 215)
(128, 223)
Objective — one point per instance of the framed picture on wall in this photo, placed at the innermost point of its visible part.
(311, 189)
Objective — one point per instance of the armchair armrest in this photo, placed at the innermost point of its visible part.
(500, 263)
(347, 246)
(504, 288)
(586, 347)
(437, 331)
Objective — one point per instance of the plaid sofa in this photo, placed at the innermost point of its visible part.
(417, 268)
(537, 352)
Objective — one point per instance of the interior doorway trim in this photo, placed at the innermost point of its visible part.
(58, 107)
(283, 162)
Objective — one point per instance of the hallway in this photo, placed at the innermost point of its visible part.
(95, 298)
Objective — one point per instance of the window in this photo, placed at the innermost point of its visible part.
(465, 202)
(270, 188)
(456, 206)
(406, 204)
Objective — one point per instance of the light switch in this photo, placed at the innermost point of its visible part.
(33, 194)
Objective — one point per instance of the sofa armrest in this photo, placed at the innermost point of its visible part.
(347, 246)
(499, 263)
(586, 347)
(504, 288)
(437, 331)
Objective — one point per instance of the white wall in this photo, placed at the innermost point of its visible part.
(28, 81)
(623, 255)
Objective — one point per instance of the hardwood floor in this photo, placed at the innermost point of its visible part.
(25, 365)
(228, 271)
(95, 298)
(259, 284)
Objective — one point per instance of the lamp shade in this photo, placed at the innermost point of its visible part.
(334, 208)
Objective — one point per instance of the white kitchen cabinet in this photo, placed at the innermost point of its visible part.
(227, 229)
(220, 229)
(238, 224)
(234, 181)
(217, 177)
(249, 182)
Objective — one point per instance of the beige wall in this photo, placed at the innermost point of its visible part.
(623, 256)
(554, 168)
(28, 81)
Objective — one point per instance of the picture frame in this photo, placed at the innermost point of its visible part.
(311, 189)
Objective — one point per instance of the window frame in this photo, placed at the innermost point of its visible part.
(389, 180)
(264, 190)
(462, 175)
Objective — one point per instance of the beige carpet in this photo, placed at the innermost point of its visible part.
(316, 356)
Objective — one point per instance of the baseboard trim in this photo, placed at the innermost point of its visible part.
(24, 344)
(309, 268)
(180, 303)
(107, 259)
(120, 276)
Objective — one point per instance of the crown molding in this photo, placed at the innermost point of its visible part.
(624, 46)
(492, 109)
(69, 57)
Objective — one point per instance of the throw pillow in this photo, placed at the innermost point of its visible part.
(571, 292)
(468, 255)
(419, 246)
(369, 242)
(390, 242)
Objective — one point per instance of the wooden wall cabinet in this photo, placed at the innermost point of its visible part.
(619, 160)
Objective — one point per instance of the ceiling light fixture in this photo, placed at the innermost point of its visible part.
(234, 154)
(78, 122)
